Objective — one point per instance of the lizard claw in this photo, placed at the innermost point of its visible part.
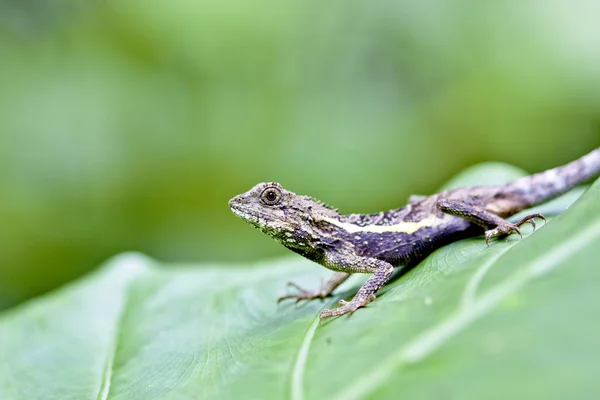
(302, 294)
(502, 230)
(530, 219)
(295, 286)
(345, 307)
(509, 228)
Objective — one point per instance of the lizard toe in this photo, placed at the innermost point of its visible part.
(302, 294)
(531, 220)
(347, 307)
(502, 230)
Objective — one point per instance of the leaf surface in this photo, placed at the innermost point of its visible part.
(515, 319)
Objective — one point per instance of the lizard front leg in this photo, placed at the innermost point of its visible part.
(382, 271)
(476, 213)
(336, 280)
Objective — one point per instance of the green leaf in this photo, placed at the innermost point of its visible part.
(516, 319)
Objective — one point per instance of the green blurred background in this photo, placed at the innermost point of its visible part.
(127, 125)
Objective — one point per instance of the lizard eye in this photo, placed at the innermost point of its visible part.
(271, 196)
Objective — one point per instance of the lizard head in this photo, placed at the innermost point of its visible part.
(279, 213)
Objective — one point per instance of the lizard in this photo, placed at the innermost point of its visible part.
(377, 243)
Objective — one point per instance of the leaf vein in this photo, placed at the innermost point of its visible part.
(431, 340)
(297, 384)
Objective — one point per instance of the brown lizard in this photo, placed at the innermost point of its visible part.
(376, 243)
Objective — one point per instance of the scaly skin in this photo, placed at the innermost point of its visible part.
(376, 243)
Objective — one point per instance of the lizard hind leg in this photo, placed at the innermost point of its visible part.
(477, 214)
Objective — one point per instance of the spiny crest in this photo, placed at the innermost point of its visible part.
(317, 207)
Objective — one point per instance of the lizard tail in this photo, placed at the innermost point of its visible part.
(543, 186)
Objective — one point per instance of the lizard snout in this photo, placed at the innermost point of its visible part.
(235, 200)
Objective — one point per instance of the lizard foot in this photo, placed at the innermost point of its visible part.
(530, 220)
(508, 228)
(303, 294)
(502, 230)
(345, 307)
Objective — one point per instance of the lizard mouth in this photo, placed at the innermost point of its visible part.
(239, 210)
